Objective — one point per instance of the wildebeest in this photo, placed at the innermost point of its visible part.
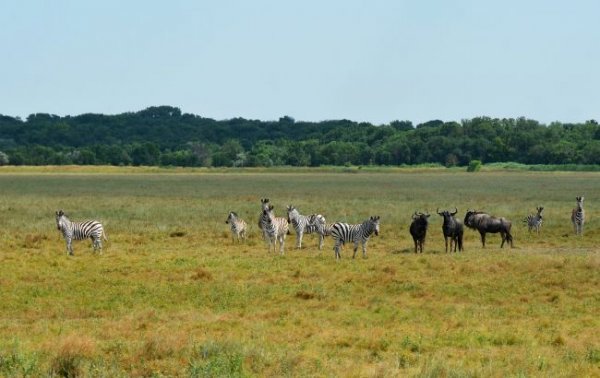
(418, 230)
(452, 229)
(485, 223)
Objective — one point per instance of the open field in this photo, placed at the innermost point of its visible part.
(173, 296)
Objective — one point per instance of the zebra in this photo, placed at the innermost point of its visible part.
(238, 226)
(357, 233)
(578, 216)
(264, 205)
(274, 229)
(306, 224)
(79, 231)
(534, 221)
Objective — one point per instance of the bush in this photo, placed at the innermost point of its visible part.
(474, 166)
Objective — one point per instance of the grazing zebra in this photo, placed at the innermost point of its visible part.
(534, 221)
(357, 233)
(305, 224)
(238, 226)
(578, 216)
(79, 231)
(274, 229)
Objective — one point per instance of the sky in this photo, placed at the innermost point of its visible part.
(368, 61)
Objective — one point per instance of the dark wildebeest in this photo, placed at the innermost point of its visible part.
(418, 230)
(485, 223)
(452, 229)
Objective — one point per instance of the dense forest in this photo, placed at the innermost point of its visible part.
(165, 136)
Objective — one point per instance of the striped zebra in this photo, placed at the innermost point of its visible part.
(534, 221)
(264, 205)
(357, 233)
(274, 229)
(578, 216)
(305, 224)
(238, 226)
(79, 231)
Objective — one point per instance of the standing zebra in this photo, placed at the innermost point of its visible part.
(306, 224)
(578, 216)
(238, 226)
(79, 231)
(357, 233)
(534, 221)
(274, 229)
(264, 205)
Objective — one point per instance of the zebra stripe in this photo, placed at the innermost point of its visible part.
(79, 231)
(357, 233)
(534, 221)
(305, 224)
(274, 229)
(238, 226)
(578, 216)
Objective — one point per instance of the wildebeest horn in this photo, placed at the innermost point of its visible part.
(455, 211)
(438, 211)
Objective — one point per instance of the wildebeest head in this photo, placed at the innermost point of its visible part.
(419, 224)
(447, 214)
(470, 217)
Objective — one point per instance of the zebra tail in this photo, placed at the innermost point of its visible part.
(104, 235)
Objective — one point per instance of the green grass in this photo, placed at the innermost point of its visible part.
(173, 296)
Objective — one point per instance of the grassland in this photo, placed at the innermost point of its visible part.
(173, 296)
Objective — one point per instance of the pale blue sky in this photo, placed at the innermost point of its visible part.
(374, 61)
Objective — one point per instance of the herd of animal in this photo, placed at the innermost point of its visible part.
(274, 229)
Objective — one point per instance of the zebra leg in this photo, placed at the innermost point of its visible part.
(364, 250)
(321, 238)
(355, 249)
(69, 247)
(336, 249)
(282, 244)
(299, 236)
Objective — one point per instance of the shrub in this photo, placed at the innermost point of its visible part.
(474, 166)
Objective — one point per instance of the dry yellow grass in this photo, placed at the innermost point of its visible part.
(173, 296)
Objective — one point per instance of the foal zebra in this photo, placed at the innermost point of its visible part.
(79, 231)
(534, 222)
(357, 233)
(274, 229)
(306, 224)
(578, 216)
(238, 226)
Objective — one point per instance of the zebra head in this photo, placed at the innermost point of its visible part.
(374, 223)
(59, 218)
(292, 213)
(231, 217)
(539, 211)
(579, 202)
(268, 212)
(264, 203)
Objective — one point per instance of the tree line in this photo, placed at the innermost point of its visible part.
(163, 135)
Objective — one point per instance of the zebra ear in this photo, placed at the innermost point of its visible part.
(271, 207)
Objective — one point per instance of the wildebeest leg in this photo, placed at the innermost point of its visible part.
(503, 239)
(446, 241)
(482, 238)
(415, 245)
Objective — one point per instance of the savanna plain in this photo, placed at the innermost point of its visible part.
(173, 295)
